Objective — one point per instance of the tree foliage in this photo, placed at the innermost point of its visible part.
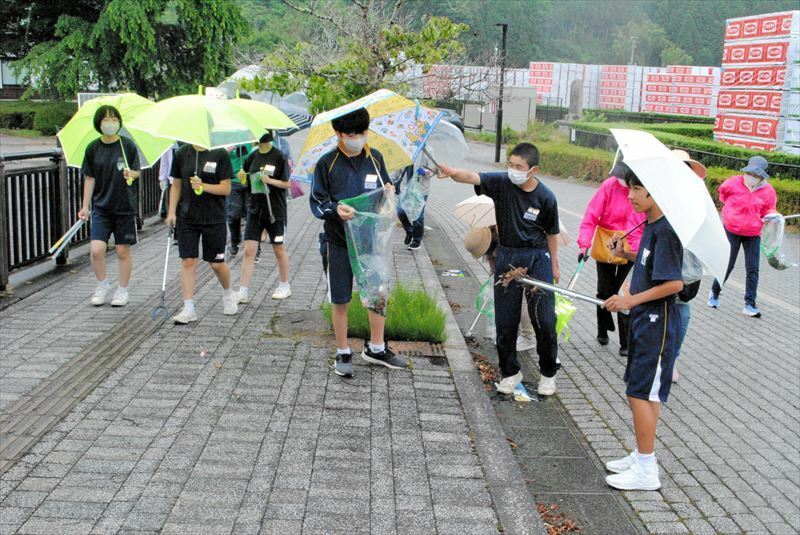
(357, 47)
(152, 47)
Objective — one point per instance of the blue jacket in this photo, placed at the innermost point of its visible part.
(338, 177)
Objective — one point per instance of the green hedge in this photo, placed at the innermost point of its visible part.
(565, 160)
(638, 117)
(46, 117)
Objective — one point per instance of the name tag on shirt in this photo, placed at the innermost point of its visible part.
(210, 167)
(371, 182)
(645, 254)
(270, 170)
(531, 214)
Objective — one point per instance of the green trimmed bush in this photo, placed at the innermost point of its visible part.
(639, 117)
(46, 117)
(411, 314)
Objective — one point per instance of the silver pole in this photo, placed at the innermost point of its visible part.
(563, 291)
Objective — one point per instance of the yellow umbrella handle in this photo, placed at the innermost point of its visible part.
(128, 181)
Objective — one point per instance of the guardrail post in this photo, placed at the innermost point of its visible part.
(5, 258)
(62, 202)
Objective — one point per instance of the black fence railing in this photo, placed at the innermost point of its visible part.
(599, 140)
(39, 201)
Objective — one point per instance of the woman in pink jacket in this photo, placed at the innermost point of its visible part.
(746, 200)
(610, 210)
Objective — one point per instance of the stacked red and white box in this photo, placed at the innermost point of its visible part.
(759, 100)
(682, 90)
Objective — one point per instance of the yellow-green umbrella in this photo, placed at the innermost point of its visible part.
(79, 131)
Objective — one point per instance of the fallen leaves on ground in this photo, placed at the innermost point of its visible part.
(203, 353)
(488, 372)
(218, 365)
(556, 522)
(455, 306)
(512, 443)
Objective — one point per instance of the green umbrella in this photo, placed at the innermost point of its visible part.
(79, 131)
(200, 120)
(267, 115)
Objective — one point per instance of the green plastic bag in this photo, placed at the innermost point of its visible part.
(484, 302)
(564, 312)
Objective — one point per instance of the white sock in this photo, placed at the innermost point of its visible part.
(345, 351)
(227, 292)
(243, 289)
(377, 348)
(188, 304)
(123, 289)
(646, 460)
(284, 284)
(104, 283)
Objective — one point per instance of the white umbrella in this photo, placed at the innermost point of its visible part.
(448, 144)
(682, 197)
(478, 211)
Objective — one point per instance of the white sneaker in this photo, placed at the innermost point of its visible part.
(100, 295)
(185, 316)
(525, 343)
(282, 291)
(244, 296)
(121, 298)
(636, 478)
(620, 465)
(508, 384)
(547, 386)
(229, 306)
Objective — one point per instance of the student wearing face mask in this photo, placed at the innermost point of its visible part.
(110, 166)
(746, 200)
(527, 228)
(609, 213)
(350, 169)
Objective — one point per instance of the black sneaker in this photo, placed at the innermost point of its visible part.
(258, 254)
(234, 250)
(344, 365)
(602, 339)
(414, 245)
(623, 352)
(384, 358)
(407, 241)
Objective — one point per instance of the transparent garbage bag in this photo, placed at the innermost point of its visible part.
(368, 237)
(772, 238)
(412, 198)
(692, 267)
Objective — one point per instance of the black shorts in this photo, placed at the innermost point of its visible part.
(654, 333)
(123, 227)
(258, 222)
(340, 274)
(213, 236)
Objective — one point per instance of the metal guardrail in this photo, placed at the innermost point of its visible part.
(599, 140)
(39, 202)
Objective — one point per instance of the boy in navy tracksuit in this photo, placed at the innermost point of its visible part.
(349, 170)
(527, 226)
(654, 332)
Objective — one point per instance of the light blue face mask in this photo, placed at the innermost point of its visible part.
(109, 128)
(517, 178)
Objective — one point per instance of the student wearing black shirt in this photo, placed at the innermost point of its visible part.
(527, 226)
(654, 335)
(352, 168)
(266, 211)
(201, 181)
(110, 166)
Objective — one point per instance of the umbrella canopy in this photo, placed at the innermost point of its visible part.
(269, 116)
(79, 131)
(478, 211)
(200, 120)
(398, 129)
(448, 144)
(679, 193)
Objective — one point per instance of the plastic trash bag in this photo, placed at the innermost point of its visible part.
(692, 267)
(369, 236)
(296, 189)
(772, 243)
(564, 312)
(412, 199)
(484, 302)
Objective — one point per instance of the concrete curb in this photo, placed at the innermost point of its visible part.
(514, 505)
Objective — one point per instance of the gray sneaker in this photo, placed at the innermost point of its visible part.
(344, 365)
(384, 358)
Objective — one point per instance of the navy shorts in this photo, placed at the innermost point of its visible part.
(123, 227)
(340, 274)
(258, 222)
(655, 328)
(212, 235)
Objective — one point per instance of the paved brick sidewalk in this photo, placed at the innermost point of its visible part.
(231, 425)
(729, 438)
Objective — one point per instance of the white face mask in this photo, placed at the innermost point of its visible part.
(517, 178)
(752, 181)
(109, 128)
(354, 144)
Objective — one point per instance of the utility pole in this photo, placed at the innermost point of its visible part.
(633, 49)
(499, 125)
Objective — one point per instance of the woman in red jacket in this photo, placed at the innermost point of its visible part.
(746, 200)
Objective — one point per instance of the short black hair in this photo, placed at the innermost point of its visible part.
(105, 111)
(354, 122)
(267, 137)
(630, 177)
(528, 152)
